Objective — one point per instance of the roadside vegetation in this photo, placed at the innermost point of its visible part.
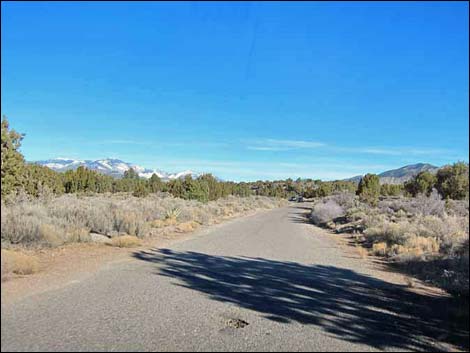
(51, 221)
(41, 208)
(423, 230)
(421, 225)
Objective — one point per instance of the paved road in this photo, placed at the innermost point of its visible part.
(290, 282)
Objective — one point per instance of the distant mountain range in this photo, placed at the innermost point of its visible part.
(112, 167)
(400, 175)
(117, 167)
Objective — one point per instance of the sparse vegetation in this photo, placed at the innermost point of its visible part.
(126, 241)
(426, 235)
(51, 222)
(18, 263)
(43, 208)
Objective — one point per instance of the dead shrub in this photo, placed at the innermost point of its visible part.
(380, 249)
(187, 227)
(18, 263)
(51, 235)
(125, 241)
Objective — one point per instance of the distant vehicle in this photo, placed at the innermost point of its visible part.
(292, 198)
(300, 199)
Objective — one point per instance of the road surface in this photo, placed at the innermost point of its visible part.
(267, 282)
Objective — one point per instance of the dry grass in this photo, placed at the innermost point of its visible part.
(18, 263)
(425, 235)
(125, 241)
(361, 251)
(379, 249)
(53, 221)
(187, 227)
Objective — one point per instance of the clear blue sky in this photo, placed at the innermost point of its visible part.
(243, 90)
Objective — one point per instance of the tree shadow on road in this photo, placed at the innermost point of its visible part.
(344, 303)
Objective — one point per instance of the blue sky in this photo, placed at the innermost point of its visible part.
(246, 91)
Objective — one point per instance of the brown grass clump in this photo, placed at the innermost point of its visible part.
(125, 241)
(51, 235)
(361, 251)
(78, 235)
(379, 249)
(424, 235)
(187, 227)
(18, 263)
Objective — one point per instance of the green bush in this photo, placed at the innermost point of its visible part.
(369, 189)
(423, 183)
(452, 181)
(12, 160)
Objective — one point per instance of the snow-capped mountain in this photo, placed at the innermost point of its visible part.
(111, 166)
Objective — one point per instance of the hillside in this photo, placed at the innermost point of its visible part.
(400, 175)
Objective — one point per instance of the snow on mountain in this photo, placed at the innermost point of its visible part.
(183, 174)
(111, 166)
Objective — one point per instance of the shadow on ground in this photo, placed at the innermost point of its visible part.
(346, 304)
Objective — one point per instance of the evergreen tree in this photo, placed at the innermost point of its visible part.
(452, 181)
(12, 161)
(155, 183)
(423, 183)
(369, 189)
(140, 189)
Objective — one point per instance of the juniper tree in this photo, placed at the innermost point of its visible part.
(12, 161)
(369, 189)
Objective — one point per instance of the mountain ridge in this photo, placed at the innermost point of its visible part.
(111, 166)
(400, 175)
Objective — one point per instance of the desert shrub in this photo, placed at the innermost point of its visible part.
(71, 218)
(457, 207)
(18, 262)
(51, 235)
(379, 248)
(131, 223)
(125, 241)
(426, 235)
(324, 212)
(20, 224)
(78, 235)
(422, 235)
(389, 232)
(187, 227)
(426, 205)
(346, 200)
(419, 205)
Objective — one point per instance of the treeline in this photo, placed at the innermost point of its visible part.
(307, 188)
(450, 181)
(35, 179)
(204, 188)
